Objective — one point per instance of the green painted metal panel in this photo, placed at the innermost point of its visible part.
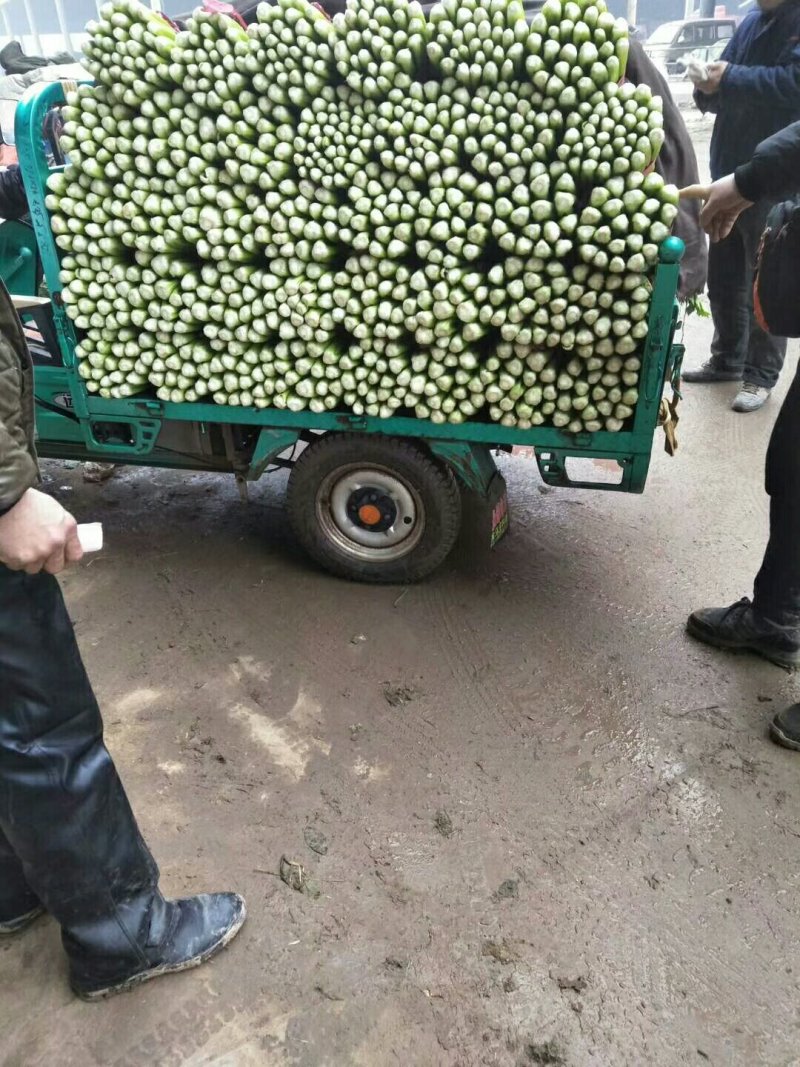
(18, 258)
(474, 464)
(270, 444)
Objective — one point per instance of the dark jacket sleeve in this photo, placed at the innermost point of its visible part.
(708, 103)
(772, 86)
(774, 170)
(13, 199)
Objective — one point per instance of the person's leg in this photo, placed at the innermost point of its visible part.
(62, 806)
(727, 279)
(770, 625)
(19, 905)
(777, 585)
(766, 354)
(65, 815)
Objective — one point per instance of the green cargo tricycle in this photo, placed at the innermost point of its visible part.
(377, 500)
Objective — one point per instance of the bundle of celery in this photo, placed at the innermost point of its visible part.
(452, 217)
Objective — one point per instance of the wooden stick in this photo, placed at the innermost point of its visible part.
(696, 192)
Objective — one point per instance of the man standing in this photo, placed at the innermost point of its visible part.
(677, 164)
(754, 92)
(769, 625)
(69, 843)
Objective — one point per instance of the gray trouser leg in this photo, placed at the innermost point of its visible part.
(739, 342)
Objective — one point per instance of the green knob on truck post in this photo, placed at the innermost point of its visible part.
(672, 250)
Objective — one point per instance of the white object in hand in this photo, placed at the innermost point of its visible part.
(698, 72)
(90, 535)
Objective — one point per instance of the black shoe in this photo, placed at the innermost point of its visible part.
(712, 372)
(785, 728)
(739, 628)
(20, 922)
(199, 928)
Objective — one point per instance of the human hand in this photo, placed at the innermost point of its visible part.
(38, 534)
(715, 72)
(723, 206)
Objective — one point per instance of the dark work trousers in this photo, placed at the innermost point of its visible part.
(777, 587)
(68, 838)
(739, 342)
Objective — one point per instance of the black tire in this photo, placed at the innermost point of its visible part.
(321, 477)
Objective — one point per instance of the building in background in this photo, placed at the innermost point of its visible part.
(47, 26)
(44, 27)
(653, 13)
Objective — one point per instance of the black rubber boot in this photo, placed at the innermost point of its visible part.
(739, 628)
(189, 933)
(785, 728)
(20, 922)
(71, 841)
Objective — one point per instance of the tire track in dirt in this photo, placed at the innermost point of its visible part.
(467, 659)
(606, 908)
(569, 688)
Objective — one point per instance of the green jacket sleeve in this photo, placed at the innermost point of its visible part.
(19, 470)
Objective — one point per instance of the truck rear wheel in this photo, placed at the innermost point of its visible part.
(373, 509)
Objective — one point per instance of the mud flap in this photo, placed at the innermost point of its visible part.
(501, 516)
(485, 520)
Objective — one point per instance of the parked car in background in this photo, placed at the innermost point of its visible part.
(673, 40)
(711, 54)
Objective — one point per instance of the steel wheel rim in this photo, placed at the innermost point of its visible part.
(337, 491)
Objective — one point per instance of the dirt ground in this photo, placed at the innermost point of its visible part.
(542, 826)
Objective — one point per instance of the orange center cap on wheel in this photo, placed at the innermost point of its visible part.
(369, 515)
